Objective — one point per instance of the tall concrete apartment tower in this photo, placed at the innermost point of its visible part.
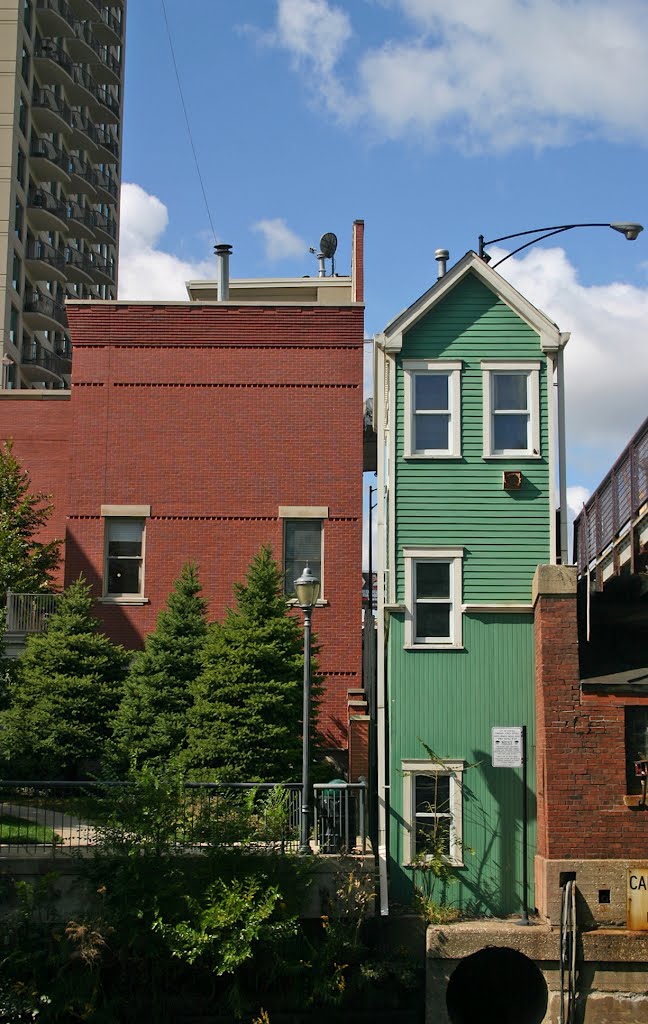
(61, 89)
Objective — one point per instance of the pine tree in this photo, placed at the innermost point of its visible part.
(151, 723)
(64, 699)
(245, 724)
(25, 564)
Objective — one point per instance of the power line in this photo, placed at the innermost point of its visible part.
(186, 117)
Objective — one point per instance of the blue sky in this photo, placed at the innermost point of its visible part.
(431, 120)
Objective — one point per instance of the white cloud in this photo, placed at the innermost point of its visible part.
(483, 74)
(606, 359)
(145, 270)
(280, 242)
(313, 31)
(576, 498)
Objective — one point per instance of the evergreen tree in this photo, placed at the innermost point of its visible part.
(64, 699)
(245, 724)
(25, 564)
(151, 723)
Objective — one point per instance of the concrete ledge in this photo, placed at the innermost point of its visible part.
(554, 581)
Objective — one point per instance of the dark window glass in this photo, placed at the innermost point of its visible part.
(302, 547)
(636, 744)
(432, 579)
(124, 555)
(432, 814)
(433, 607)
(431, 412)
(509, 391)
(431, 391)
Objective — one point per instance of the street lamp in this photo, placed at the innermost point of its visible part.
(307, 588)
(630, 231)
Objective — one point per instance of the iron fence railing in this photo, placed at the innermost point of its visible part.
(62, 817)
(29, 613)
(614, 504)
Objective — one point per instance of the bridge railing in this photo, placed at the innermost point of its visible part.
(614, 505)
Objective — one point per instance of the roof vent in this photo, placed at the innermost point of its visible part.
(223, 252)
(441, 256)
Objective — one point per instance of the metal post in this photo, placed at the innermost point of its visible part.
(304, 844)
(525, 828)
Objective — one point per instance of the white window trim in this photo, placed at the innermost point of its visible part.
(412, 367)
(532, 369)
(320, 512)
(454, 769)
(141, 512)
(430, 554)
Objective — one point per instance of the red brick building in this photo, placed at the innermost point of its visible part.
(200, 430)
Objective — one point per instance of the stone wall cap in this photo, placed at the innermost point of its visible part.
(554, 581)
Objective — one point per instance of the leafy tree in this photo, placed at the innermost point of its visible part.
(151, 724)
(26, 564)
(245, 723)
(65, 696)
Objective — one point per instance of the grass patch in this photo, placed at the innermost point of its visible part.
(19, 831)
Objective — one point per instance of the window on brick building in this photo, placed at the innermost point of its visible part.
(636, 744)
(432, 804)
(124, 550)
(303, 544)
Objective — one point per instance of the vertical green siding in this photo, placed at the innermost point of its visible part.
(439, 502)
(449, 701)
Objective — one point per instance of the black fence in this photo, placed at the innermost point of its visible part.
(61, 817)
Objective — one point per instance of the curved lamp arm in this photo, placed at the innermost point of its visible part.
(630, 230)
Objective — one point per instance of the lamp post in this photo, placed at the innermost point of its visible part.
(630, 231)
(307, 588)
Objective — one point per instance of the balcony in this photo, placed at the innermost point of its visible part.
(87, 10)
(54, 18)
(108, 71)
(39, 363)
(104, 105)
(82, 88)
(80, 222)
(42, 313)
(48, 162)
(84, 48)
(45, 212)
(103, 270)
(83, 179)
(106, 187)
(109, 30)
(77, 266)
(43, 261)
(105, 229)
(108, 145)
(52, 64)
(49, 112)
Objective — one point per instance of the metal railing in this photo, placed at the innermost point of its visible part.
(42, 305)
(63, 817)
(615, 503)
(29, 613)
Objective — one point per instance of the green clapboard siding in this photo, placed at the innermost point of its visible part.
(461, 502)
(449, 701)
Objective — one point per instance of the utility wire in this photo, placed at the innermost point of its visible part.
(186, 117)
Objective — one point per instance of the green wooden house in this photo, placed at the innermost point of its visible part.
(468, 413)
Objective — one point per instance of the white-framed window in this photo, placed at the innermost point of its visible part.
(511, 395)
(432, 409)
(303, 544)
(432, 810)
(124, 552)
(433, 597)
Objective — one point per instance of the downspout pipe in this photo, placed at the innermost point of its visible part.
(562, 447)
(223, 253)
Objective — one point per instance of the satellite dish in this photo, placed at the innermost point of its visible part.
(328, 245)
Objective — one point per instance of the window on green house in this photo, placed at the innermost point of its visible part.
(432, 810)
(433, 597)
(511, 409)
(432, 409)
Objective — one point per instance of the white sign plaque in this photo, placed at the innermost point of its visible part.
(507, 746)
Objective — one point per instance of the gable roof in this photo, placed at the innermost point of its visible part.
(551, 338)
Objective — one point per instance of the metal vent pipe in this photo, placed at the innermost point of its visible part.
(441, 256)
(223, 252)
